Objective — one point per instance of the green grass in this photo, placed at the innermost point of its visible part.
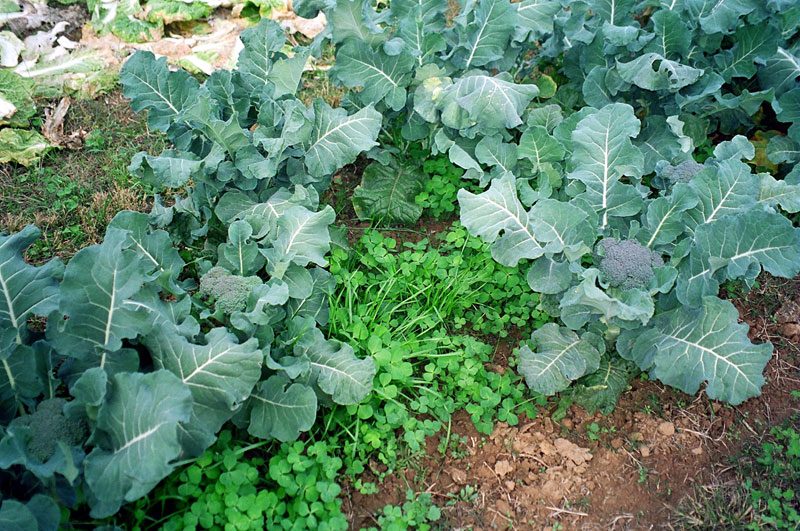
(72, 195)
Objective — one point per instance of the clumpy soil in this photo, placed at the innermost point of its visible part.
(627, 470)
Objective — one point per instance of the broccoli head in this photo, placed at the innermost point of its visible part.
(627, 264)
(228, 291)
(48, 425)
(682, 173)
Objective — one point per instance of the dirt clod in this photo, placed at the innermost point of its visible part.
(644, 450)
(503, 467)
(667, 429)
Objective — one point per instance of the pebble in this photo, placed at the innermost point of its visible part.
(644, 450)
(567, 424)
(510, 485)
(666, 428)
(698, 450)
(790, 330)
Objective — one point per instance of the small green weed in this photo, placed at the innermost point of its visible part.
(418, 512)
(444, 179)
(239, 487)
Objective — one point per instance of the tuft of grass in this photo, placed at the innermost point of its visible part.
(72, 195)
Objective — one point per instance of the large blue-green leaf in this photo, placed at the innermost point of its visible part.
(334, 367)
(781, 71)
(774, 192)
(601, 389)
(673, 39)
(40, 513)
(496, 211)
(150, 86)
(154, 245)
(337, 139)
(287, 72)
(256, 58)
(603, 155)
(686, 347)
(669, 75)
(382, 76)
(719, 16)
(586, 299)
(25, 290)
(538, 146)
(136, 437)
(302, 235)
(493, 102)
(483, 32)
(728, 189)
(388, 193)
(751, 44)
(664, 219)
(419, 26)
(98, 283)
(560, 357)
(736, 247)
(535, 18)
(282, 409)
(354, 19)
(220, 374)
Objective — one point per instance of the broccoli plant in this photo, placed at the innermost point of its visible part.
(627, 264)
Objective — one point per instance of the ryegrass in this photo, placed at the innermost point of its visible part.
(72, 195)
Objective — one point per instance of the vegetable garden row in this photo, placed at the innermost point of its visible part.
(603, 153)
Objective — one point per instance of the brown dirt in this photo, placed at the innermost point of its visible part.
(657, 447)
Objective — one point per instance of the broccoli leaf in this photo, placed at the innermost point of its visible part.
(334, 367)
(137, 431)
(150, 86)
(282, 412)
(685, 347)
(388, 193)
(25, 290)
(604, 154)
(220, 374)
(561, 357)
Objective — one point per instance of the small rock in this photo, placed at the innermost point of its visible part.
(789, 312)
(790, 330)
(616, 444)
(503, 508)
(567, 424)
(503, 467)
(698, 450)
(458, 475)
(667, 429)
(645, 451)
(510, 485)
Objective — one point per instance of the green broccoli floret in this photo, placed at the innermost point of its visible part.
(48, 425)
(682, 173)
(627, 264)
(228, 291)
